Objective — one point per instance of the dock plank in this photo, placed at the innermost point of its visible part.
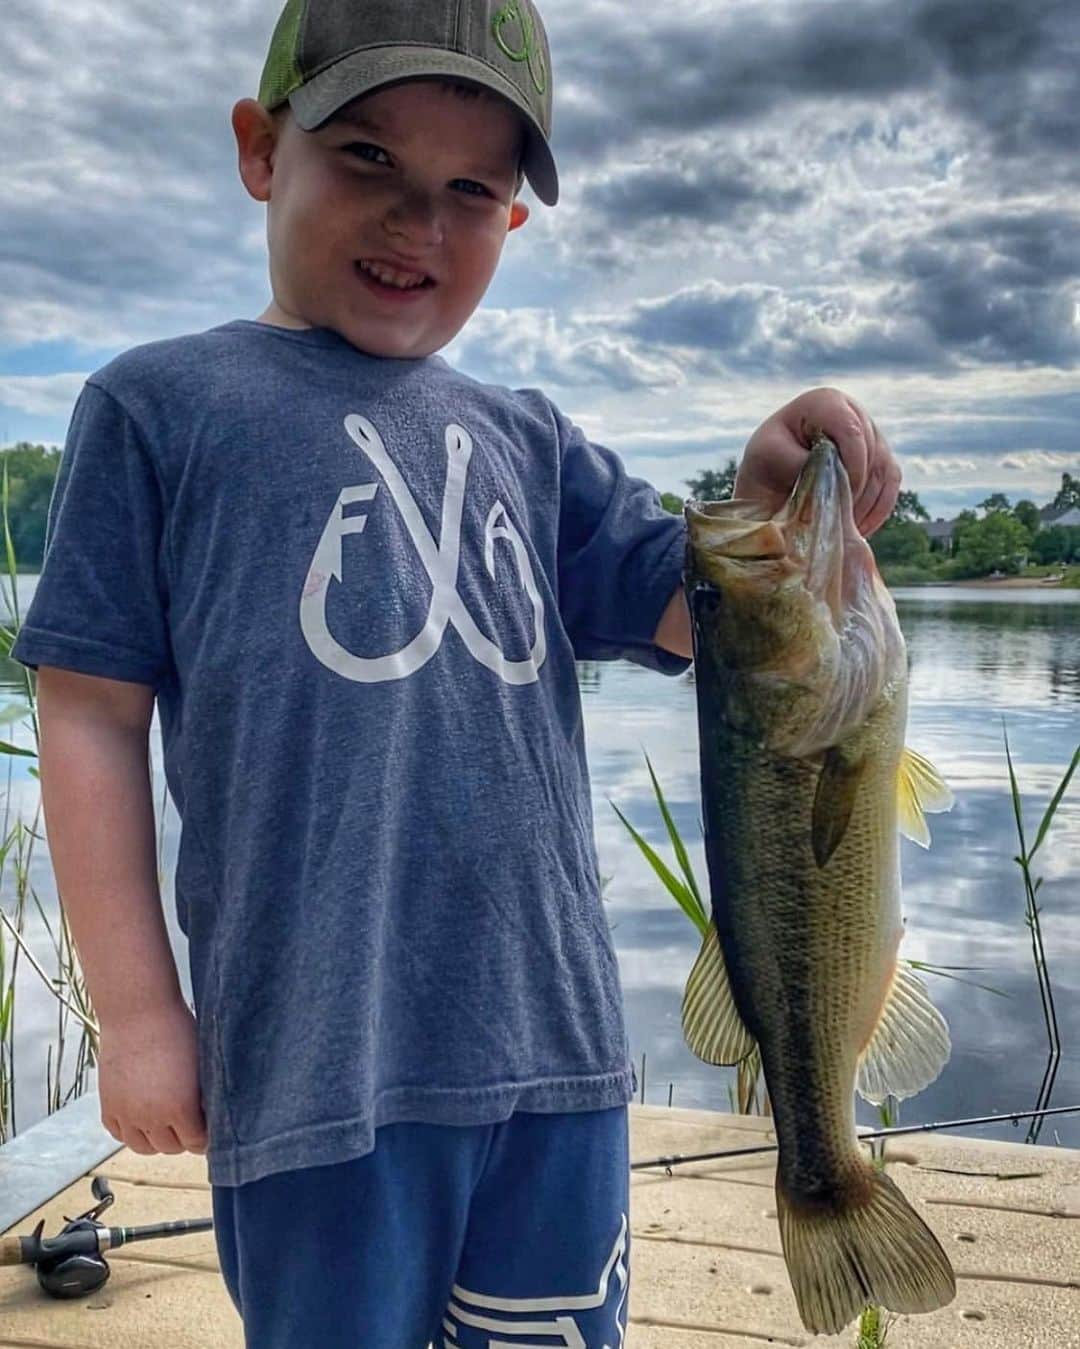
(707, 1269)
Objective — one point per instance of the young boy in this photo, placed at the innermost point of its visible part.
(356, 582)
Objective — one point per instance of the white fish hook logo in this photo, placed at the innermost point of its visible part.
(441, 562)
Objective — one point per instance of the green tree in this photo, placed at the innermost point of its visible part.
(1051, 545)
(32, 471)
(1028, 515)
(997, 501)
(714, 484)
(1068, 493)
(961, 525)
(901, 542)
(1056, 543)
(671, 502)
(999, 542)
(909, 507)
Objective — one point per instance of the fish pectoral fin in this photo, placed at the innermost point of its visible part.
(909, 1046)
(711, 1022)
(834, 800)
(921, 790)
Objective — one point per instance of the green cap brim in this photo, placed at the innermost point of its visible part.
(365, 71)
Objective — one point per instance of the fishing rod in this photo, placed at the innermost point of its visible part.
(1014, 1117)
(73, 1263)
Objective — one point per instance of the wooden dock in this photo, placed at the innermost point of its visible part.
(707, 1271)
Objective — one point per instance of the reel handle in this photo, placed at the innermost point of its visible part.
(11, 1251)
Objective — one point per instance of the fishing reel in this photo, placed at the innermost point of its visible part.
(75, 1275)
(72, 1263)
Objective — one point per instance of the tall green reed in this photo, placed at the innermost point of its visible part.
(1032, 885)
(17, 840)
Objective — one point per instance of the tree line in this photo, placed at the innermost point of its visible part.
(1002, 539)
(31, 476)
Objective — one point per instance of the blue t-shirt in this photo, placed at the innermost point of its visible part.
(358, 587)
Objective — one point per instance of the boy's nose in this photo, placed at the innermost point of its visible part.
(415, 216)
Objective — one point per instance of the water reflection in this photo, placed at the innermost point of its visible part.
(974, 661)
(975, 664)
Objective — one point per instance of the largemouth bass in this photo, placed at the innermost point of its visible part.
(801, 676)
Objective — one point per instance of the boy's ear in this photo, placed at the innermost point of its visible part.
(256, 140)
(519, 213)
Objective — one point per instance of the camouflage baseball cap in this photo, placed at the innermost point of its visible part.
(324, 53)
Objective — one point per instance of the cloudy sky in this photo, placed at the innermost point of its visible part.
(757, 198)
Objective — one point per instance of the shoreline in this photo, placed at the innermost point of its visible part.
(1001, 583)
(985, 583)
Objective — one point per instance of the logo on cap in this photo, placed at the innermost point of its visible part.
(529, 49)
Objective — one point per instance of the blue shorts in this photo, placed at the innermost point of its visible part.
(465, 1238)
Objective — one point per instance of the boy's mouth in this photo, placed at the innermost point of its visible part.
(393, 278)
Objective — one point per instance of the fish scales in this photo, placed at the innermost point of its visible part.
(802, 697)
(807, 972)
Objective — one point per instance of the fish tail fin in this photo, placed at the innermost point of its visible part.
(873, 1251)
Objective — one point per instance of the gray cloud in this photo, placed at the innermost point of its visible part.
(762, 330)
(124, 197)
(712, 317)
(757, 195)
(698, 189)
(1007, 66)
(528, 346)
(659, 75)
(1003, 428)
(991, 288)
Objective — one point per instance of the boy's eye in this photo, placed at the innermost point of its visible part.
(471, 187)
(364, 150)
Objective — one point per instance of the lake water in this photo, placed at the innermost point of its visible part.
(979, 661)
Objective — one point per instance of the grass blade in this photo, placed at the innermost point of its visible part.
(10, 550)
(681, 893)
(6, 748)
(945, 972)
(677, 844)
(1054, 803)
(1015, 789)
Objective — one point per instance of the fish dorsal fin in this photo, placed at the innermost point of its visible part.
(711, 1023)
(909, 1046)
(920, 791)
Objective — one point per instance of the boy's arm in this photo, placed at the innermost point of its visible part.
(97, 794)
(673, 630)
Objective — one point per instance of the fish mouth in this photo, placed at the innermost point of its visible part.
(739, 544)
(790, 608)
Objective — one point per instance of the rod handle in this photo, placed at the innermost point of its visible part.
(11, 1251)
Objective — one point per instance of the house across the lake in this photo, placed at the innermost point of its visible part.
(940, 531)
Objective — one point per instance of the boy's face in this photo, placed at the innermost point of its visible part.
(415, 183)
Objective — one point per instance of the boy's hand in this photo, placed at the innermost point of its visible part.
(148, 1081)
(773, 460)
(777, 450)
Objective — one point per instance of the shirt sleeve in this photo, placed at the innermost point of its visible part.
(621, 557)
(101, 603)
